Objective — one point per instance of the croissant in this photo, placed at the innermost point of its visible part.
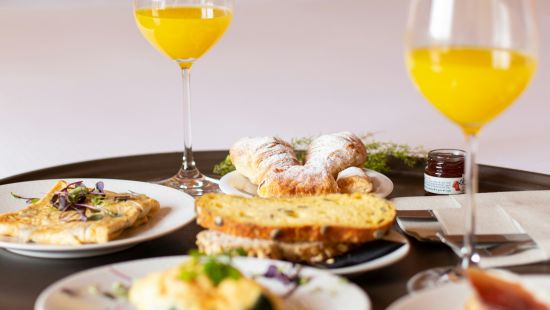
(326, 157)
(256, 157)
(336, 152)
(297, 181)
(354, 180)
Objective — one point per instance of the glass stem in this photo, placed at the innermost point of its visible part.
(188, 162)
(471, 183)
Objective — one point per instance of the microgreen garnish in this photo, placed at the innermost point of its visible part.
(77, 197)
(291, 277)
(27, 200)
(216, 269)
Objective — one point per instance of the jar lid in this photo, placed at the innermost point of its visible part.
(452, 155)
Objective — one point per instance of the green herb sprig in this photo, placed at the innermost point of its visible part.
(379, 154)
(215, 268)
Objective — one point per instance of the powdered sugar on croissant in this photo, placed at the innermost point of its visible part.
(336, 152)
(297, 181)
(256, 157)
(326, 157)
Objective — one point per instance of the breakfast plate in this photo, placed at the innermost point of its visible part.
(237, 184)
(390, 257)
(176, 210)
(322, 291)
(453, 296)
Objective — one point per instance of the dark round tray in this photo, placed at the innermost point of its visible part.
(23, 278)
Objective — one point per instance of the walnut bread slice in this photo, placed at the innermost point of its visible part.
(350, 218)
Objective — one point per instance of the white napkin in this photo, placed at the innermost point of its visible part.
(497, 213)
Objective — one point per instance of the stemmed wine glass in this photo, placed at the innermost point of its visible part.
(471, 59)
(184, 30)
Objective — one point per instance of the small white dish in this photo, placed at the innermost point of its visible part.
(237, 184)
(452, 296)
(176, 210)
(324, 291)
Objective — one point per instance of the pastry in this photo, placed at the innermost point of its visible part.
(326, 157)
(354, 180)
(256, 157)
(336, 152)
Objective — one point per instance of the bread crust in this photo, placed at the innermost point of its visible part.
(213, 243)
(207, 217)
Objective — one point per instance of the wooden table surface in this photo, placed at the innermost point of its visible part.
(23, 278)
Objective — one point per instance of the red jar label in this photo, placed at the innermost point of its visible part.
(443, 186)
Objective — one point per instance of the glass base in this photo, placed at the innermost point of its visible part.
(434, 277)
(192, 182)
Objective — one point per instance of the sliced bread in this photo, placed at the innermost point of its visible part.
(352, 218)
(214, 243)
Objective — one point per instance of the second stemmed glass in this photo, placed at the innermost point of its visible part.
(184, 30)
(471, 59)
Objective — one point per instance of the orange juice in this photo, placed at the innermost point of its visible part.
(470, 85)
(183, 33)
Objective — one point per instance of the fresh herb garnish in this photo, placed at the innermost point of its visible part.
(379, 154)
(27, 200)
(217, 269)
(74, 197)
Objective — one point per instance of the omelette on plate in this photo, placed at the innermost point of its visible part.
(73, 214)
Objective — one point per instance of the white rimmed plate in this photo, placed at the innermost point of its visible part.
(323, 291)
(176, 210)
(453, 296)
(237, 184)
(382, 261)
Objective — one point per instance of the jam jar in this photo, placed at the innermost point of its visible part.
(444, 173)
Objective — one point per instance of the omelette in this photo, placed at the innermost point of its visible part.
(201, 285)
(72, 214)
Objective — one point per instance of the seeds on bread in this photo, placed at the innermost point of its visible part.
(348, 218)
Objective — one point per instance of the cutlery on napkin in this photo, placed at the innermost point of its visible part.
(501, 213)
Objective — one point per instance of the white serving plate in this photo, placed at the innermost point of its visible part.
(453, 296)
(323, 292)
(237, 184)
(381, 261)
(176, 210)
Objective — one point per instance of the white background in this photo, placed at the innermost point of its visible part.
(78, 82)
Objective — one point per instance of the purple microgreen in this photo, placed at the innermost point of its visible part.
(82, 214)
(121, 275)
(69, 292)
(134, 193)
(85, 206)
(27, 199)
(73, 184)
(100, 187)
(63, 203)
(291, 277)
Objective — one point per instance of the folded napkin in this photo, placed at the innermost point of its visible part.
(497, 213)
